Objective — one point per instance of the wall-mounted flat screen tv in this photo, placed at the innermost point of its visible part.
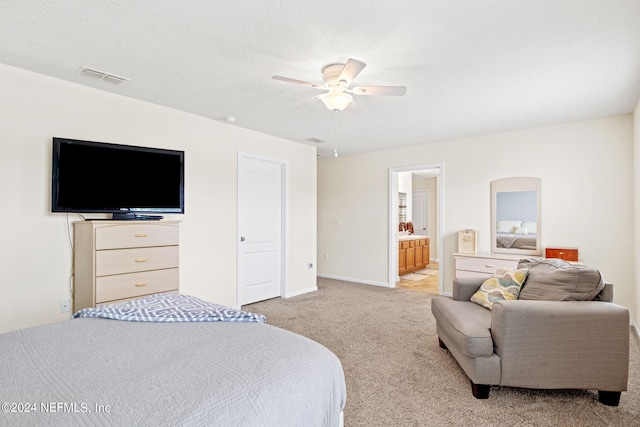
(127, 181)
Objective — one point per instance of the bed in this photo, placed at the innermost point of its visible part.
(516, 234)
(516, 241)
(96, 370)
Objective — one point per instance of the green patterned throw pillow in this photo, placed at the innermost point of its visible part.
(504, 285)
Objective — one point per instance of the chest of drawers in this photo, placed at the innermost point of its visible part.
(483, 265)
(120, 260)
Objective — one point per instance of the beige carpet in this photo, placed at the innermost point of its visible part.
(398, 376)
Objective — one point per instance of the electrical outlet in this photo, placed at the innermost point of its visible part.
(65, 305)
(325, 256)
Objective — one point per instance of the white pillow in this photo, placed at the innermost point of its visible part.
(520, 230)
(531, 227)
(508, 226)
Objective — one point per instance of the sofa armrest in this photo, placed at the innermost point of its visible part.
(606, 294)
(465, 287)
(562, 344)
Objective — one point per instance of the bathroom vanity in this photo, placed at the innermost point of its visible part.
(413, 253)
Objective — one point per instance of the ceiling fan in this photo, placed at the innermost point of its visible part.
(337, 78)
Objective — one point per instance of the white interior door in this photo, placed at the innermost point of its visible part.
(419, 211)
(260, 229)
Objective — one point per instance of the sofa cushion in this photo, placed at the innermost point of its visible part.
(466, 324)
(557, 280)
(504, 285)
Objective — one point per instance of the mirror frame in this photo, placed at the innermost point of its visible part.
(516, 184)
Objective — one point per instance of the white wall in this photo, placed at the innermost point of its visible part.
(35, 251)
(587, 197)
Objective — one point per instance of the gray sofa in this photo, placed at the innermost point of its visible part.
(536, 343)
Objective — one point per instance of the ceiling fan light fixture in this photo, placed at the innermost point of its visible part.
(337, 78)
(336, 99)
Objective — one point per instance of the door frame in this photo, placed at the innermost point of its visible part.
(284, 234)
(393, 221)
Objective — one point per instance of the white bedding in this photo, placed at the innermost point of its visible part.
(516, 241)
(103, 372)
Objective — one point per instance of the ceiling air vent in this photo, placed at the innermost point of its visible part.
(315, 140)
(101, 75)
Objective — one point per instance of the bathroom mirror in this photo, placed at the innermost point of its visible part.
(402, 208)
(515, 216)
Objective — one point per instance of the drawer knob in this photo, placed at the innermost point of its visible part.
(141, 234)
(140, 284)
(489, 265)
(142, 259)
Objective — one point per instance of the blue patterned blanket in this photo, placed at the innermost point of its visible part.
(170, 308)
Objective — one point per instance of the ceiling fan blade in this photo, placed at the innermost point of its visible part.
(351, 69)
(298, 82)
(380, 90)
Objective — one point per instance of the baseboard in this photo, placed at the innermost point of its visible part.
(290, 294)
(350, 279)
(300, 292)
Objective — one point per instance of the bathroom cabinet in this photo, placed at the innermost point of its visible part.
(413, 254)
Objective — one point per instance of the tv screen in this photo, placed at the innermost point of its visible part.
(125, 180)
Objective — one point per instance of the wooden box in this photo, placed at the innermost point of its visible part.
(567, 254)
(468, 241)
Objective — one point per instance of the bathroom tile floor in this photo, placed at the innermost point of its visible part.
(425, 280)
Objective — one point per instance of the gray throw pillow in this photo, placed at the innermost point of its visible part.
(557, 280)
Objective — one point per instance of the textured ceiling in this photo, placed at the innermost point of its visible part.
(470, 67)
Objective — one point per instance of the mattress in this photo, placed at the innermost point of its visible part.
(90, 371)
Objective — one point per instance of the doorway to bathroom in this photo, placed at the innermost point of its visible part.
(415, 227)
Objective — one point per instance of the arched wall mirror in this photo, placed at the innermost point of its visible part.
(515, 216)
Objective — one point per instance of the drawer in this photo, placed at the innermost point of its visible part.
(404, 245)
(463, 274)
(122, 286)
(118, 261)
(129, 299)
(484, 265)
(136, 235)
(567, 254)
